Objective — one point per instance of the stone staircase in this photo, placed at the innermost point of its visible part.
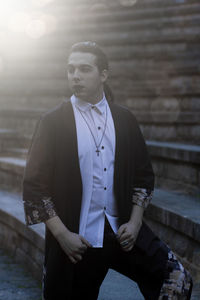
(153, 47)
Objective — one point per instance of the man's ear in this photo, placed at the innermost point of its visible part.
(104, 75)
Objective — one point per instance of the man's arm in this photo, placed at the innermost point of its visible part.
(142, 189)
(38, 176)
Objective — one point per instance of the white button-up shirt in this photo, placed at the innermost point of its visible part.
(97, 171)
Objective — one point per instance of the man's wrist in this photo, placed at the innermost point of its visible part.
(57, 228)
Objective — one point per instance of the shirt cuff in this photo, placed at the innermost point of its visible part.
(39, 212)
(142, 197)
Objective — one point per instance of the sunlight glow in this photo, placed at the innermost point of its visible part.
(127, 2)
(20, 16)
(19, 21)
(1, 65)
(36, 29)
(41, 3)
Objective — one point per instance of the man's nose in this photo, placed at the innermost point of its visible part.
(76, 74)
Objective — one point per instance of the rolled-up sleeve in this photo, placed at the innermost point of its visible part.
(38, 176)
(143, 183)
(142, 197)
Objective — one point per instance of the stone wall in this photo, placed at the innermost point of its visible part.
(153, 47)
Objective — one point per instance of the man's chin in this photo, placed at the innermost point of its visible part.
(81, 95)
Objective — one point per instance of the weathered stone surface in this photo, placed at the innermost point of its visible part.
(153, 50)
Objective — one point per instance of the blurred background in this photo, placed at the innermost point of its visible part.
(153, 48)
(154, 51)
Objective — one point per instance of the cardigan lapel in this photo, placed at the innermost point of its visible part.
(123, 162)
(71, 171)
(118, 133)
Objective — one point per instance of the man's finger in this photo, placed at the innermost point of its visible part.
(124, 236)
(85, 242)
(74, 261)
(78, 257)
(127, 249)
(124, 243)
(121, 230)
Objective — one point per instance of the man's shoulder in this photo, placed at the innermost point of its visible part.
(54, 112)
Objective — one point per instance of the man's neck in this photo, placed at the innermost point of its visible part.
(94, 99)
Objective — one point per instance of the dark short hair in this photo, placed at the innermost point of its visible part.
(92, 47)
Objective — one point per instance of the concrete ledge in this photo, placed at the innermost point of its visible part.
(176, 151)
(25, 243)
(176, 219)
(11, 172)
(10, 138)
(176, 166)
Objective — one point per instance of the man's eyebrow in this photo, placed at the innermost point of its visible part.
(80, 65)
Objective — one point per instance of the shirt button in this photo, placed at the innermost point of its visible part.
(102, 147)
(105, 188)
(105, 169)
(99, 127)
(104, 208)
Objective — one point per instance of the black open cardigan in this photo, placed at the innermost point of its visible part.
(52, 177)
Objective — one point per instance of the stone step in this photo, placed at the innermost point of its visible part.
(10, 138)
(64, 26)
(144, 36)
(16, 102)
(168, 117)
(13, 165)
(22, 120)
(115, 5)
(15, 152)
(175, 151)
(172, 132)
(164, 104)
(176, 166)
(89, 13)
(170, 86)
(11, 172)
(175, 217)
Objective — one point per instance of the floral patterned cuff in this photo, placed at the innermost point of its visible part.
(40, 211)
(142, 197)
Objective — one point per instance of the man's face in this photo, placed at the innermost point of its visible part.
(85, 79)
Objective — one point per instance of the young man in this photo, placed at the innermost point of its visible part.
(89, 178)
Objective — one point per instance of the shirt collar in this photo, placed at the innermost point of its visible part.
(84, 106)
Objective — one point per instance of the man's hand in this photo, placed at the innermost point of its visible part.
(73, 245)
(128, 232)
(127, 235)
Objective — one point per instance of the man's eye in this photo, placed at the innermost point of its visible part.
(85, 69)
(70, 69)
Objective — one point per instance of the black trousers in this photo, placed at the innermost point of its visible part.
(147, 271)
